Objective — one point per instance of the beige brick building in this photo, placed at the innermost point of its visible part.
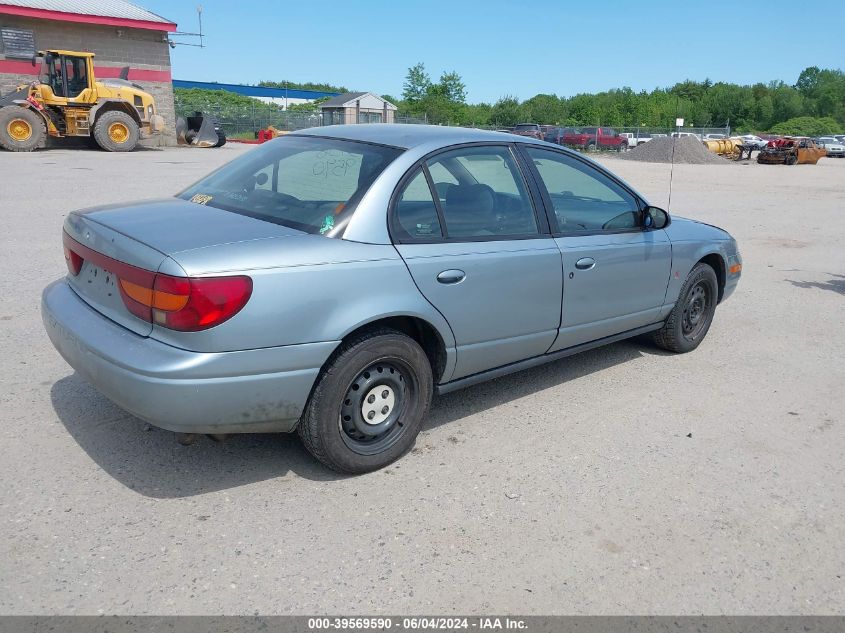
(119, 33)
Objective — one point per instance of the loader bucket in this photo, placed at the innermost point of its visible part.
(201, 131)
(197, 131)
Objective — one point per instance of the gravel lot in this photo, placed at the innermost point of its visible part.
(623, 480)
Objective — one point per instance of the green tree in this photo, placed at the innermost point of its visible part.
(452, 87)
(307, 85)
(808, 126)
(417, 84)
(506, 112)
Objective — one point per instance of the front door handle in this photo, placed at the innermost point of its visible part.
(451, 276)
(585, 263)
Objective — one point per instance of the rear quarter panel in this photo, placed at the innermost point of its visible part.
(305, 290)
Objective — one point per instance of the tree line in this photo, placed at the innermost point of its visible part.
(813, 106)
(816, 100)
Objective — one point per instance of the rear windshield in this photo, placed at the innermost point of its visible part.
(524, 127)
(302, 182)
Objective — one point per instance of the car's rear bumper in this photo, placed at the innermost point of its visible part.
(259, 390)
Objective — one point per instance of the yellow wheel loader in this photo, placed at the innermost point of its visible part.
(67, 100)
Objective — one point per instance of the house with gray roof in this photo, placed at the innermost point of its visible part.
(357, 107)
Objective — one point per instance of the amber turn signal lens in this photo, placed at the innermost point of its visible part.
(735, 269)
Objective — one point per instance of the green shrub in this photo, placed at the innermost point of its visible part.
(807, 126)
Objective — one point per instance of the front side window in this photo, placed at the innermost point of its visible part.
(583, 198)
(482, 193)
(306, 183)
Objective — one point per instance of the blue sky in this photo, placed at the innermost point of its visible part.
(499, 48)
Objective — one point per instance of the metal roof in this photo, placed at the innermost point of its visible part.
(107, 8)
(348, 98)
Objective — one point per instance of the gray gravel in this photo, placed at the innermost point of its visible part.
(687, 150)
(622, 480)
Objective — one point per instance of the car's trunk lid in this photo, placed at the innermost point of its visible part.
(145, 235)
(97, 281)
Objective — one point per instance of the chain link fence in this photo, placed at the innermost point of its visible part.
(241, 121)
(244, 122)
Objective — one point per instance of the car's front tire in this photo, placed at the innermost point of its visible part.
(369, 402)
(690, 319)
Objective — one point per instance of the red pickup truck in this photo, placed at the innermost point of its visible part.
(592, 138)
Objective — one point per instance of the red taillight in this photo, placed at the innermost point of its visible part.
(205, 301)
(73, 261)
(188, 304)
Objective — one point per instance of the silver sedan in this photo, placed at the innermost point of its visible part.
(332, 281)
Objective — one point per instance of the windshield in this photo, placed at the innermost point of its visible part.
(303, 182)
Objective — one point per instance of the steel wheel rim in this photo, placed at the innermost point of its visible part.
(372, 409)
(696, 314)
(19, 129)
(118, 132)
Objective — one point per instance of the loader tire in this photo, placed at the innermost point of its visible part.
(116, 131)
(21, 129)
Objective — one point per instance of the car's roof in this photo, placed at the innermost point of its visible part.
(410, 135)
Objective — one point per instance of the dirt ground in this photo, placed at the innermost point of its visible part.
(622, 480)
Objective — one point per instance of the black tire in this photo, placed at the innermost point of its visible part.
(690, 319)
(221, 138)
(591, 147)
(116, 121)
(385, 365)
(622, 147)
(790, 159)
(23, 123)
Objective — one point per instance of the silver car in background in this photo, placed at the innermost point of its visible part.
(333, 280)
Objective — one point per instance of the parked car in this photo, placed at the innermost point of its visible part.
(593, 138)
(556, 134)
(331, 281)
(682, 134)
(791, 150)
(531, 130)
(753, 141)
(636, 138)
(714, 137)
(832, 145)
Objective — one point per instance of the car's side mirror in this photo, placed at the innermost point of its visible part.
(655, 218)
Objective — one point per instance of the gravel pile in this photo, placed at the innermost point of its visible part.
(688, 150)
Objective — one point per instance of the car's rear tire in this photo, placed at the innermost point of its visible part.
(690, 319)
(591, 147)
(369, 402)
(21, 129)
(790, 159)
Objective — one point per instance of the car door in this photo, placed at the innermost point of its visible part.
(466, 225)
(615, 272)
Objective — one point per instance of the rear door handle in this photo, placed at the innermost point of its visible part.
(585, 263)
(451, 276)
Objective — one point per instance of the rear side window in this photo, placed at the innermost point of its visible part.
(307, 183)
(416, 213)
(583, 198)
(488, 198)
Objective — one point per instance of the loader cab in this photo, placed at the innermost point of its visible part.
(69, 76)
